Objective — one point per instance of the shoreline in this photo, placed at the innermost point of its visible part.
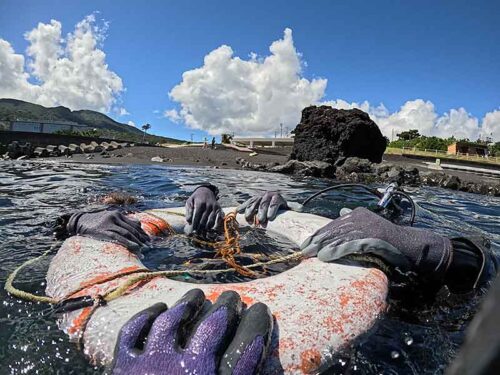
(267, 159)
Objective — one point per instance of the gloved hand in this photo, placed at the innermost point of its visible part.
(203, 212)
(111, 226)
(364, 232)
(265, 206)
(218, 343)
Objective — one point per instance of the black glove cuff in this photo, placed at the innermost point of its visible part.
(473, 264)
(214, 189)
(60, 227)
(73, 222)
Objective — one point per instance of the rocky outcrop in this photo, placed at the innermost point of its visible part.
(363, 171)
(16, 149)
(453, 182)
(356, 170)
(306, 168)
(329, 134)
(294, 167)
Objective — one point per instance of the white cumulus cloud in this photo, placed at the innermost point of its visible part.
(491, 125)
(229, 94)
(122, 111)
(253, 96)
(422, 115)
(458, 123)
(69, 71)
(173, 115)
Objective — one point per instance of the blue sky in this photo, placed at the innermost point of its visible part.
(390, 52)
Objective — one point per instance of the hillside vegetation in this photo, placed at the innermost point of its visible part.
(412, 139)
(12, 109)
(420, 144)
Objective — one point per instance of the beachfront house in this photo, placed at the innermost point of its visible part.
(45, 126)
(467, 148)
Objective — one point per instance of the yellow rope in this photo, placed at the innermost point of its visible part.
(226, 249)
(9, 287)
(122, 289)
(142, 275)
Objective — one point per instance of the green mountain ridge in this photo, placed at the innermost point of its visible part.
(13, 109)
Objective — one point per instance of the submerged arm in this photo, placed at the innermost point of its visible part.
(462, 264)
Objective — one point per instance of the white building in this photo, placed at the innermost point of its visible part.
(45, 126)
(263, 142)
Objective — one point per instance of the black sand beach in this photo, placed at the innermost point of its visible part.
(220, 157)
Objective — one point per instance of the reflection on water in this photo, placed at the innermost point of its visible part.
(408, 340)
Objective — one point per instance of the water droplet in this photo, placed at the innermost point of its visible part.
(394, 354)
(408, 340)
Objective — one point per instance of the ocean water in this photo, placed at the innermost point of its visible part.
(419, 339)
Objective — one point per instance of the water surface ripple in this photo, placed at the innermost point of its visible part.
(33, 194)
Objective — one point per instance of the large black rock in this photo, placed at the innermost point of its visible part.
(329, 134)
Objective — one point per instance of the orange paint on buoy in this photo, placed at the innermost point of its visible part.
(80, 320)
(334, 325)
(215, 293)
(152, 225)
(310, 360)
(344, 299)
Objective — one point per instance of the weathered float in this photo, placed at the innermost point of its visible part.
(318, 307)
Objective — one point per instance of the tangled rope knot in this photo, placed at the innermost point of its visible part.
(230, 246)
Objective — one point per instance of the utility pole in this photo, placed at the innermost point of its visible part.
(286, 131)
(281, 130)
(275, 133)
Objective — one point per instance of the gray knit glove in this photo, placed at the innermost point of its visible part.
(364, 232)
(203, 211)
(265, 207)
(112, 226)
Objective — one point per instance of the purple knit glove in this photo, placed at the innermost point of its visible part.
(182, 340)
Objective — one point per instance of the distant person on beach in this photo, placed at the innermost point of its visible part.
(213, 143)
(205, 142)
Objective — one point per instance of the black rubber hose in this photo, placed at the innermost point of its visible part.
(413, 206)
(367, 188)
(370, 190)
